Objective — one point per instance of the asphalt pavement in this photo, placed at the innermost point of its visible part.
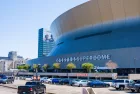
(4, 90)
(112, 90)
(62, 89)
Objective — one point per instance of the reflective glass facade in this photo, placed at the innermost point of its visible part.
(45, 42)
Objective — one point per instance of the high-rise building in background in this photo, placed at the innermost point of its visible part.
(11, 62)
(45, 42)
(12, 55)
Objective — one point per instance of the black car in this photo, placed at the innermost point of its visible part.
(32, 88)
(64, 81)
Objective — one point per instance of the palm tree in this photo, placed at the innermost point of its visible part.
(71, 66)
(56, 66)
(111, 65)
(26, 67)
(88, 66)
(45, 67)
(35, 67)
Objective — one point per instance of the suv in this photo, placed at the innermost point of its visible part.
(10, 79)
(121, 84)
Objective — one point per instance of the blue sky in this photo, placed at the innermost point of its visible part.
(21, 19)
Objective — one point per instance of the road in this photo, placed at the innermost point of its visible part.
(4, 90)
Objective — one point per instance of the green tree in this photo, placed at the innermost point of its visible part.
(45, 67)
(71, 66)
(35, 67)
(20, 67)
(56, 66)
(26, 67)
(88, 66)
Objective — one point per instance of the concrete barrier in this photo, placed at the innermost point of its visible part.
(134, 76)
(85, 91)
(88, 91)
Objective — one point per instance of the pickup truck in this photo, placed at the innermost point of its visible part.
(121, 84)
(32, 88)
(135, 87)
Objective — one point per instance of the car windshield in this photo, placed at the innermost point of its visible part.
(119, 81)
(32, 83)
(3, 77)
(138, 82)
(99, 81)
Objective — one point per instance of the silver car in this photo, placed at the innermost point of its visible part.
(81, 83)
(43, 79)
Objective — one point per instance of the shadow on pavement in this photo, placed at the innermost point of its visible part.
(114, 90)
(132, 92)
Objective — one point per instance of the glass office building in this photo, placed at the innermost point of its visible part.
(45, 42)
(97, 31)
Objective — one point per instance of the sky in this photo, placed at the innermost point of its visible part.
(21, 19)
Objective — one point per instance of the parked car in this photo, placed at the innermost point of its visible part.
(44, 79)
(98, 83)
(49, 80)
(5, 79)
(10, 79)
(32, 88)
(28, 78)
(64, 81)
(121, 84)
(135, 86)
(56, 80)
(71, 82)
(81, 83)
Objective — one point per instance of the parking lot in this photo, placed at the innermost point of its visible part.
(111, 90)
(64, 89)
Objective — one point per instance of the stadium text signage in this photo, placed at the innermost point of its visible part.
(84, 58)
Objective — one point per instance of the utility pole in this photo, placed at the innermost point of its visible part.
(135, 64)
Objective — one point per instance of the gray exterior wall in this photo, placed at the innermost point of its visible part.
(124, 57)
(119, 40)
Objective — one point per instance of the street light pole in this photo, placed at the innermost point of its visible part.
(135, 64)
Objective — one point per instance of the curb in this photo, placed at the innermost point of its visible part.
(8, 86)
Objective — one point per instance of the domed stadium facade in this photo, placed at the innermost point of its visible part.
(97, 31)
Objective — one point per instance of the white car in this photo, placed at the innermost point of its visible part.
(43, 79)
(49, 80)
(81, 83)
(28, 78)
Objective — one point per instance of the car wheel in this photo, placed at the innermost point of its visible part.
(6, 83)
(44, 91)
(107, 86)
(138, 90)
(42, 81)
(132, 90)
(117, 88)
(34, 92)
(121, 87)
(93, 86)
(49, 82)
(80, 85)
